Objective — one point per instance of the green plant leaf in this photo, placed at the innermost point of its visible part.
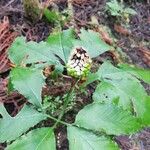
(145, 115)
(130, 11)
(13, 127)
(143, 74)
(125, 86)
(108, 118)
(80, 139)
(61, 43)
(91, 78)
(28, 82)
(91, 41)
(52, 15)
(22, 52)
(108, 93)
(114, 8)
(118, 9)
(38, 139)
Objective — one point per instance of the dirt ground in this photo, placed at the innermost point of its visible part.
(135, 45)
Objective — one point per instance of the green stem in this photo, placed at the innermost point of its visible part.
(65, 104)
(59, 121)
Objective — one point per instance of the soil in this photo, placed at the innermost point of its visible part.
(134, 42)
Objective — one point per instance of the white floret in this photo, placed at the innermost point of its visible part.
(78, 55)
(77, 68)
(77, 61)
(74, 65)
(80, 65)
(82, 56)
(78, 73)
(72, 61)
(81, 62)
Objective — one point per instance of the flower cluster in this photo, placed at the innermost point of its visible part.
(79, 63)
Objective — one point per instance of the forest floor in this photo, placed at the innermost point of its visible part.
(133, 41)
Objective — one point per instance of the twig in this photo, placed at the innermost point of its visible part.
(71, 11)
(9, 3)
(7, 10)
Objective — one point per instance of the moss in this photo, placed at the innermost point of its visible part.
(33, 9)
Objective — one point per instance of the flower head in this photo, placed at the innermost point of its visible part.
(79, 63)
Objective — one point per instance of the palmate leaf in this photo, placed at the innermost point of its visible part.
(61, 43)
(91, 41)
(107, 118)
(28, 82)
(80, 139)
(22, 52)
(58, 43)
(13, 127)
(38, 139)
(122, 84)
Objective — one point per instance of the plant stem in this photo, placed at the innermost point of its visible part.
(66, 103)
(71, 11)
(70, 8)
(59, 121)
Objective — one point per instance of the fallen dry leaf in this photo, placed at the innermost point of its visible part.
(105, 36)
(146, 55)
(121, 30)
(6, 38)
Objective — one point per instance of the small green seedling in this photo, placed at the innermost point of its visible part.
(119, 10)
